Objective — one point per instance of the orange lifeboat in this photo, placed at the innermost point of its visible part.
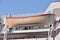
(43, 19)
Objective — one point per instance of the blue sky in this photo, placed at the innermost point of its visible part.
(23, 7)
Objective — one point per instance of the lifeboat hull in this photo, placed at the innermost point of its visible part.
(44, 19)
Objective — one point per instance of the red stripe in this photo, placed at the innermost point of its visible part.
(31, 16)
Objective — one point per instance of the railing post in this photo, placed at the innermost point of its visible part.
(5, 33)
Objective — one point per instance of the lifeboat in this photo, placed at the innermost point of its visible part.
(43, 19)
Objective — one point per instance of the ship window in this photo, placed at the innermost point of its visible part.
(10, 29)
(36, 27)
(26, 28)
(46, 26)
(59, 20)
(0, 23)
(34, 37)
(30, 27)
(19, 28)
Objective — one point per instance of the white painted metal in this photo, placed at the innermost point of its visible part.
(52, 6)
(33, 39)
(27, 31)
(57, 37)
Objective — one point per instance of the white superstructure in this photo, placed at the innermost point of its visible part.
(1, 24)
(53, 6)
(37, 32)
